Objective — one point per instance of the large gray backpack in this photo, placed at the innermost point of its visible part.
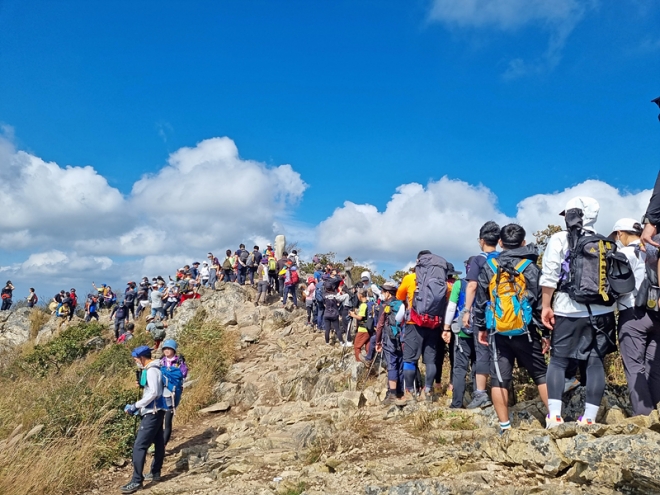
(430, 299)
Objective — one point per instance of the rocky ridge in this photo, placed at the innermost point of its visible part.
(295, 415)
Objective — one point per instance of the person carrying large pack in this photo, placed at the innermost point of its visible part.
(389, 332)
(507, 315)
(150, 408)
(582, 277)
(424, 291)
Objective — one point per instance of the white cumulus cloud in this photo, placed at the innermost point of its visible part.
(445, 216)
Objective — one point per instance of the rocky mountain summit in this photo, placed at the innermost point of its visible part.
(295, 415)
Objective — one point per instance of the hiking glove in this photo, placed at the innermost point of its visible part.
(131, 409)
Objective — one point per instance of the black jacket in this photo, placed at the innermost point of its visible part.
(532, 274)
(653, 211)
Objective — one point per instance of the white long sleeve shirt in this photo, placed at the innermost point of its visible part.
(639, 269)
(563, 305)
(153, 390)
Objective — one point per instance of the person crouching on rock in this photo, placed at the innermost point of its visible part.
(151, 408)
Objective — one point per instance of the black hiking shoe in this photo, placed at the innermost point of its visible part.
(132, 487)
(152, 477)
(389, 400)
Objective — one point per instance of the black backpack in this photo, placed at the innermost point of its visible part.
(331, 308)
(593, 271)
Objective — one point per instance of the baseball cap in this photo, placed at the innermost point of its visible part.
(142, 351)
(623, 224)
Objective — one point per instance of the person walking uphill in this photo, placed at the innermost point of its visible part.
(639, 322)
(425, 294)
(507, 314)
(151, 408)
(582, 331)
(489, 236)
(6, 294)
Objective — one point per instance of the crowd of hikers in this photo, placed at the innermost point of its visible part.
(557, 314)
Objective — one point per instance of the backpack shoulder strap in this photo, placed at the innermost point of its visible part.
(520, 267)
(492, 263)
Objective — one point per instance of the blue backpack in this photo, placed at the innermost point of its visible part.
(318, 292)
(172, 381)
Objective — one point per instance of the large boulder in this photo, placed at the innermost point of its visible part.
(15, 327)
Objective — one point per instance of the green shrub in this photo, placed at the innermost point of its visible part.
(62, 350)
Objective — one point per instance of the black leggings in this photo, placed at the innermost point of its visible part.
(595, 375)
(335, 324)
(167, 425)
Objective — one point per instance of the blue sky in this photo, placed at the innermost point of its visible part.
(525, 97)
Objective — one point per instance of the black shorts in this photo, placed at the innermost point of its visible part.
(420, 342)
(577, 338)
(528, 354)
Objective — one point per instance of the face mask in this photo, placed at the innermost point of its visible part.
(619, 244)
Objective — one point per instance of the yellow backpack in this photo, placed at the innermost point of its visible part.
(508, 312)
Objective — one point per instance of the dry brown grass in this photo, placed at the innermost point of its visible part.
(79, 396)
(38, 318)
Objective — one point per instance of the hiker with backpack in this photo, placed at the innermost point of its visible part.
(507, 315)
(127, 335)
(424, 292)
(489, 236)
(464, 352)
(389, 330)
(291, 279)
(32, 298)
(6, 295)
(157, 329)
(639, 322)
(174, 369)
(130, 295)
(273, 278)
(446, 348)
(253, 262)
(263, 281)
(228, 267)
(362, 335)
(347, 303)
(373, 295)
(242, 257)
(151, 408)
(331, 310)
(578, 306)
(120, 315)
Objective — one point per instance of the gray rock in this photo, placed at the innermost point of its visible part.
(216, 408)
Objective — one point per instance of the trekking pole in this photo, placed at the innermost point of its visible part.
(380, 363)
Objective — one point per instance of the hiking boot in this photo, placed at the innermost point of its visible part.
(152, 477)
(389, 400)
(408, 398)
(553, 422)
(480, 400)
(570, 384)
(582, 421)
(132, 487)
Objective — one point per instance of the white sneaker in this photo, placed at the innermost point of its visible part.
(349, 343)
(553, 422)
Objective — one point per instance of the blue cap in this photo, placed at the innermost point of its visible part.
(142, 351)
(169, 344)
